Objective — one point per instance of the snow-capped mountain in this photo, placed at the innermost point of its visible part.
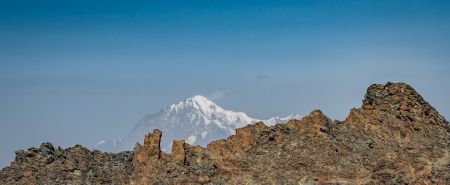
(275, 120)
(197, 120)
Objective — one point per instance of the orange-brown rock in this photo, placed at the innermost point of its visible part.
(396, 137)
(147, 158)
(314, 125)
(152, 144)
(245, 136)
(151, 149)
(240, 142)
(178, 153)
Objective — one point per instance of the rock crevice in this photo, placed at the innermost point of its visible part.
(396, 137)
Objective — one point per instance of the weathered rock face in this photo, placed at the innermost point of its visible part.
(178, 152)
(396, 137)
(151, 150)
(76, 165)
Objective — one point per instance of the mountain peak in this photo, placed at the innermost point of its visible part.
(197, 120)
(204, 103)
(197, 102)
(401, 100)
(394, 139)
(200, 98)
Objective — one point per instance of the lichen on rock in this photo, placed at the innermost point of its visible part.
(396, 137)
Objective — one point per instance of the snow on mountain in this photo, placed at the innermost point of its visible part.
(197, 120)
(275, 120)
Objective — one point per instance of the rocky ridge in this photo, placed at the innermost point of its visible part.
(197, 120)
(396, 137)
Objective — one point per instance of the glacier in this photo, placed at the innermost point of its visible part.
(197, 120)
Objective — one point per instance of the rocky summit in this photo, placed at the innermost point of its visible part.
(396, 137)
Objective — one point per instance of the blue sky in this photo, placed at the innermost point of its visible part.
(81, 71)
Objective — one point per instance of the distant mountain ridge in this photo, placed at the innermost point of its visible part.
(197, 120)
(395, 137)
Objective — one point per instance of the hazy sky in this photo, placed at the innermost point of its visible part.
(76, 72)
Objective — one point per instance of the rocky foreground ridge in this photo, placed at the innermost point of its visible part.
(396, 137)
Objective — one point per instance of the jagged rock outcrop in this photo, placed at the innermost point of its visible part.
(76, 165)
(178, 151)
(151, 150)
(396, 137)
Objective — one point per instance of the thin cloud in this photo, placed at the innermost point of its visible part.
(220, 94)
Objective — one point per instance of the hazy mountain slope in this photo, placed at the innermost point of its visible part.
(396, 137)
(196, 120)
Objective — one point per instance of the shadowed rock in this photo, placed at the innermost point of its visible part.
(178, 153)
(401, 100)
(396, 137)
(151, 149)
